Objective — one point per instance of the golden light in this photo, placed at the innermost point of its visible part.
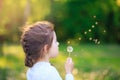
(98, 42)
(94, 16)
(90, 38)
(89, 30)
(93, 26)
(85, 32)
(79, 38)
(96, 23)
(118, 2)
(75, 71)
(104, 31)
(68, 42)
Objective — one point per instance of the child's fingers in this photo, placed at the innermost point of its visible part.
(69, 60)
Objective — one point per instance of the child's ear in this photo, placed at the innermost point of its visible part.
(46, 48)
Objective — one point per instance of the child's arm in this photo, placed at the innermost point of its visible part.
(69, 67)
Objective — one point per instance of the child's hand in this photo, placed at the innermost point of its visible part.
(69, 65)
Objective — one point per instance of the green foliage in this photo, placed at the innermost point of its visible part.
(92, 62)
(76, 16)
(71, 18)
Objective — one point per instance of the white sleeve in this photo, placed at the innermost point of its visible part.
(69, 77)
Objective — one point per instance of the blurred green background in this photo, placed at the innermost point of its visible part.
(92, 27)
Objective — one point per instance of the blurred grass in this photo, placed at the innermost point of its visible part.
(91, 62)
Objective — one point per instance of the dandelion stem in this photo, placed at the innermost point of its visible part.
(69, 54)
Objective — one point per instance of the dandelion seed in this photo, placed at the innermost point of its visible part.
(98, 42)
(96, 22)
(93, 26)
(68, 42)
(75, 55)
(95, 40)
(85, 32)
(89, 30)
(94, 16)
(79, 38)
(90, 38)
(104, 31)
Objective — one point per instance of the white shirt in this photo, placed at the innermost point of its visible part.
(45, 71)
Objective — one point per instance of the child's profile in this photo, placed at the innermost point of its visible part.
(40, 44)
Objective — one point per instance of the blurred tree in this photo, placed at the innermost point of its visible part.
(13, 16)
(1, 33)
(27, 10)
(74, 17)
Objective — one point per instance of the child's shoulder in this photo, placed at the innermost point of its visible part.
(43, 71)
(42, 67)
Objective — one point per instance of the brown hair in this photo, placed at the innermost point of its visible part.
(34, 38)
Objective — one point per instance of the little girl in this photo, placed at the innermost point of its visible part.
(40, 45)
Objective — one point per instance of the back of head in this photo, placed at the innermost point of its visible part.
(34, 38)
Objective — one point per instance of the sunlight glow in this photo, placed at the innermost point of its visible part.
(118, 2)
(2, 62)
